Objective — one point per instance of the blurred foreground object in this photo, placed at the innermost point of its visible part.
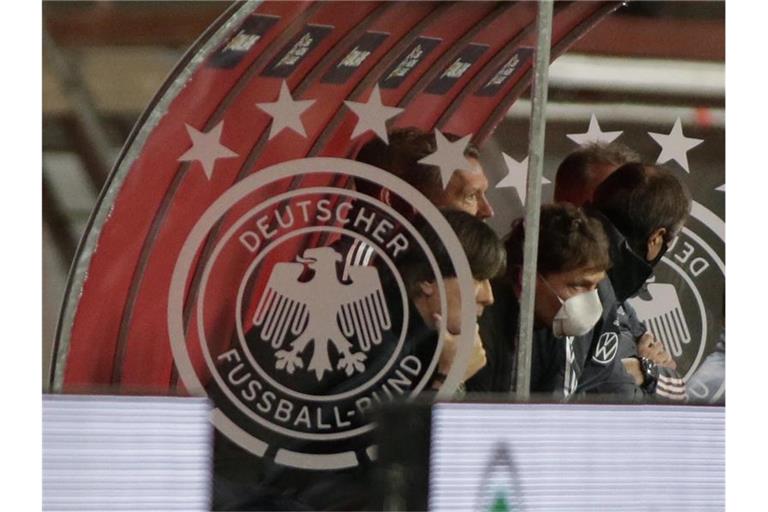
(540, 456)
(126, 453)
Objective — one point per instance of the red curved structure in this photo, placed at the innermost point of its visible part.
(456, 67)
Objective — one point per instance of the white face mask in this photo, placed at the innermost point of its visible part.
(577, 314)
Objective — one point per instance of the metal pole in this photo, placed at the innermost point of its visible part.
(533, 195)
(83, 107)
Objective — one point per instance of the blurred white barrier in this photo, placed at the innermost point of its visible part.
(525, 457)
(126, 453)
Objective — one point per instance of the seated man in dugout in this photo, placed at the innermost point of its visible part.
(400, 157)
(642, 209)
(465, 191)
(486, 257)
(245, 483)
(575, 181)
(573, 257)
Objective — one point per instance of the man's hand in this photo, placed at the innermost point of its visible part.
(651, 348)
(633, 368)
(450, 346)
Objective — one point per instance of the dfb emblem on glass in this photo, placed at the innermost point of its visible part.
(682, 303)
(663, 316)
(322, 310)
(288, 309)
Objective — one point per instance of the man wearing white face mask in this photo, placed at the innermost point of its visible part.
(577, 314)
(572, 260)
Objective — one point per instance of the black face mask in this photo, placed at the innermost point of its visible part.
(629, 272)
(661, 254)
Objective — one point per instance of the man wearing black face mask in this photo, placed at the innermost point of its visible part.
(577, 177)
(642, 209)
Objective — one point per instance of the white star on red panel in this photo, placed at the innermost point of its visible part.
(286, 112)
(372, 115)
(206, 148)
(449, 156)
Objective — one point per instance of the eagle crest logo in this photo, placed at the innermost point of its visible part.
(659, 308)
(322, 311)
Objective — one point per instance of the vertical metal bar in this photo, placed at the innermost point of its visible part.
(81, 143)
(83, 108)
(61, 229)
(533, 196)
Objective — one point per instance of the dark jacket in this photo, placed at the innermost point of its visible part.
(595, 363)
(243, 481)
(627, 275)
(603, 372)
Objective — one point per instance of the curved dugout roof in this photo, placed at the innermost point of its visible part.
(456, 67)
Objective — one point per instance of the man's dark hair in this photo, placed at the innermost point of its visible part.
(401, 157)
(485, 252)
(640, 199)
(569, 239)
(575, 176)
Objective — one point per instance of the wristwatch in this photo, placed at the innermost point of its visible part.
(650, 374)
